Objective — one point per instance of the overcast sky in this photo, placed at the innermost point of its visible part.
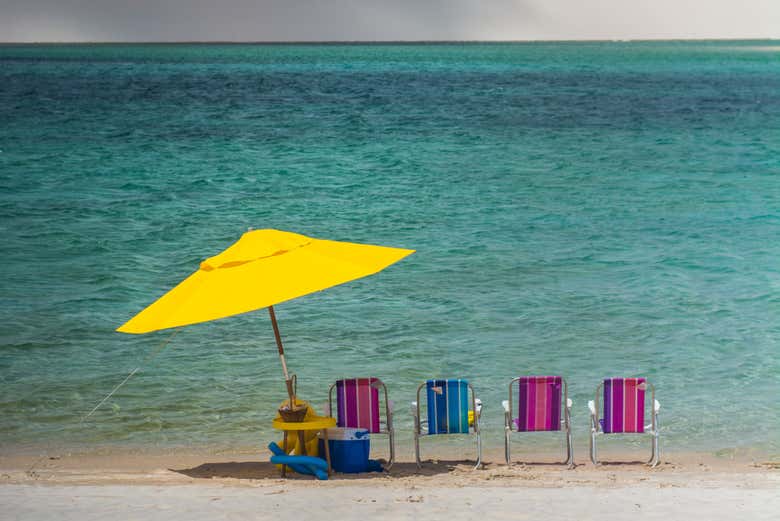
(318, 20)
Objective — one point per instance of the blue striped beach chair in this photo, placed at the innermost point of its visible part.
(447, 411)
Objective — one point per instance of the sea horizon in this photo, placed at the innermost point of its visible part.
(382, 42)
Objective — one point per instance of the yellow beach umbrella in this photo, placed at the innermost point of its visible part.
(263, 268)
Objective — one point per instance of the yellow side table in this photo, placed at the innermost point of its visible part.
(319, 423)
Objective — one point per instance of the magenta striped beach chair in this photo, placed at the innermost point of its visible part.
(624, 412)
(358, 406)
(542, 405)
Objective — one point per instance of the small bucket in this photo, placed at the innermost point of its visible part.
(349, 449)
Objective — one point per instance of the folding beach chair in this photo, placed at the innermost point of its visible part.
(624, 412)
(448, 407)
(357, 406)
(539, 408)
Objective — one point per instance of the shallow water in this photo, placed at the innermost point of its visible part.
(589, 210)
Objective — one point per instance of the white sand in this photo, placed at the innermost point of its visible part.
(358, 502)
(237, 486)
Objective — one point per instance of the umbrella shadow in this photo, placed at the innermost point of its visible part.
(232, 469)
(266, 470)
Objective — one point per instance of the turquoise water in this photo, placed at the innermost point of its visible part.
(584, 209)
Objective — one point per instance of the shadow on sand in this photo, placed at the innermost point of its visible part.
(267, 470)
(622, 463)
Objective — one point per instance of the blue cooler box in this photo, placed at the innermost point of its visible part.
(349, 449)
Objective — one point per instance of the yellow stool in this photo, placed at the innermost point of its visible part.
(317, 423)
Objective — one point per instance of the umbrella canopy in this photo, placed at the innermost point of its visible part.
(263, 268)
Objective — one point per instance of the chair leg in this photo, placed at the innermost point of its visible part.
(479, 451)
(391, 436)
(507, 453)
(654, 455)
(417, 449)
(652, 462)
(657, 450)
(569, 448)
(593, 457)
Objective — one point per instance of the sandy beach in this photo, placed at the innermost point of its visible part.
(188, 485)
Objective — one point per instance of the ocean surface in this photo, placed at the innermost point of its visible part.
(583, 209)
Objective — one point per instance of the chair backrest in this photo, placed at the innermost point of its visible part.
(448, 406)
(357, 402)
(539, 403)
(624, 405)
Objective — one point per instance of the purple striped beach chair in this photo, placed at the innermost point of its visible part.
(448, 410)
(358, 406)
(624, 412)
(542, 405)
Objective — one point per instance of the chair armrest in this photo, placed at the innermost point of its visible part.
(505, 405)
(568, 403)
(478, 404)
(594, 422)
(390, 406)
(413, 407)
(326, 409)
(654, 425)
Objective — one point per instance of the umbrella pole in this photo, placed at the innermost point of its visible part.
(287, 380)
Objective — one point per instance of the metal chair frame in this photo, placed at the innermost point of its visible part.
(389, 430)
(418, 425)
(566, 422)
(651, 430)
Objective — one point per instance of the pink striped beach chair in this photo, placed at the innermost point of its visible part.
(542, 405)
(624, 412)
(358, 406)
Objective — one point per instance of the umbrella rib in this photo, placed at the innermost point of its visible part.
(138, 368)
(109, 395)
